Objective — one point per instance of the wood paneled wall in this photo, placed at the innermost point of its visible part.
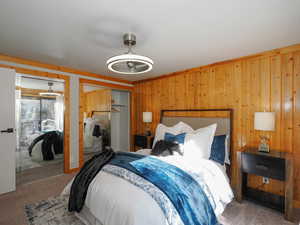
(268, 81)
(98, 100)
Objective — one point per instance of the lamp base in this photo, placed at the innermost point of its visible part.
(263, 149)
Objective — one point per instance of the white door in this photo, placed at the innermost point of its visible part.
(7, 134)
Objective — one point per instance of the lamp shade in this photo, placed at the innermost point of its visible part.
(147, 117)
(264, 121)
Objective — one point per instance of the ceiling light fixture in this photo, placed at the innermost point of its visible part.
(50, 91)
(129, 63)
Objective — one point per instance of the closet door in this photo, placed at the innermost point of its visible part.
(7, 128)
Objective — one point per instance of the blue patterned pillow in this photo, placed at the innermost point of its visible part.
(218, 149)
(179, 138)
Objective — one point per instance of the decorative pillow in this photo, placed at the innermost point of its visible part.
(218, 149)
(198, 144)
(162, 129)
(179, 138)
(165, 148)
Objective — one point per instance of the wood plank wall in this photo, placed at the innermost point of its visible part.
(268, 81)
(97, 100)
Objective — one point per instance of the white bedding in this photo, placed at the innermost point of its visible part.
(112, 200)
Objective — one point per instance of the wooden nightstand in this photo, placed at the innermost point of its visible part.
(274, 165)
(143, 141)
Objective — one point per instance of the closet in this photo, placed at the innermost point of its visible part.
(120, 121)
(106, 119)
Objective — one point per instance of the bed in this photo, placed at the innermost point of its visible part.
(45, 146)
(113, 200)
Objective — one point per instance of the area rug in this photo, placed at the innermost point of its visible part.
(54, 211)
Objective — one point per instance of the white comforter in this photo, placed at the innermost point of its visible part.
(114, 201)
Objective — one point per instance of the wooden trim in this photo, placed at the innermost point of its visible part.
(66, 103)
(36, 72)
(81, 112)
(269, 53)
(67, 158)
(74, 170)
(60, 68)
(110, 85)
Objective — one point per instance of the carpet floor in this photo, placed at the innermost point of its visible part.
(53, 211)
(39, 173)
(25, 162)
(12, 205)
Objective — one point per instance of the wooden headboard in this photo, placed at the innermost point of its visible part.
(198, 118)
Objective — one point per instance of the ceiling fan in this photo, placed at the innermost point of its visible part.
(129, 63)
(50, 91)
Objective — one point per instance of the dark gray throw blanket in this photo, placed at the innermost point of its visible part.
(86, 175)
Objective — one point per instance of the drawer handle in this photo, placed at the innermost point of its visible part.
(262, 167)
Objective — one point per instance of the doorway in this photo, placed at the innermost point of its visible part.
(104, 119)
(40, 112)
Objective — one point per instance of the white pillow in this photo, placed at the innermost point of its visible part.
(185, 128)
(198, 144)
(162, 129)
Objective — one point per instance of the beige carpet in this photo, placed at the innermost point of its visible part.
(12, 205)
(249, 213)
(38, 173)
(53, 211)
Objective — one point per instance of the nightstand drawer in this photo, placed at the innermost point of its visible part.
(264, 166)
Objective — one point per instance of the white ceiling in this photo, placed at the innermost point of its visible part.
(176, 34)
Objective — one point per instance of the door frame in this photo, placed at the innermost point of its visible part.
(82, 82)
(66, 79)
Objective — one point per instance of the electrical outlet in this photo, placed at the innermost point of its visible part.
(266, 180)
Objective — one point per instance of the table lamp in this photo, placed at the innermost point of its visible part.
(264, 121)
(147, 118)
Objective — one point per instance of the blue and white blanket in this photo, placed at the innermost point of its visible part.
(123, 196)
(186, 198)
